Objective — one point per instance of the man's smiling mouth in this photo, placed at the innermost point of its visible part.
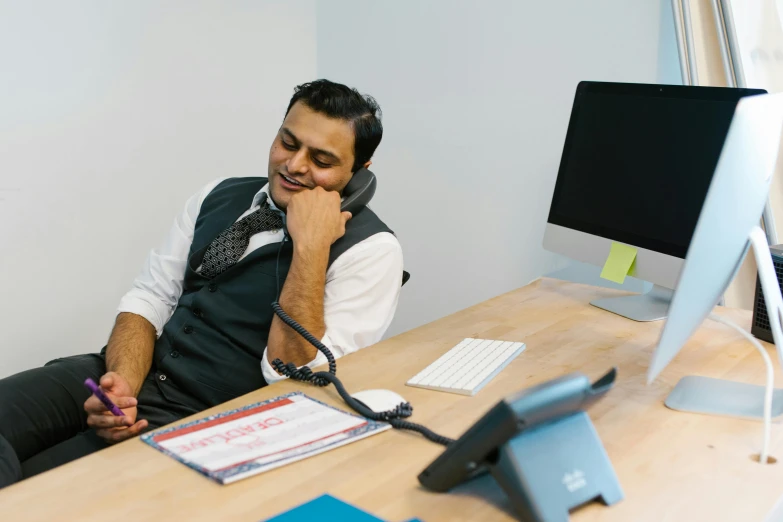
(292, 181)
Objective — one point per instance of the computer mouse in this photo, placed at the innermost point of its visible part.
(379, 400)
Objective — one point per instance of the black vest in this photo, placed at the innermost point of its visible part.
(211, 348)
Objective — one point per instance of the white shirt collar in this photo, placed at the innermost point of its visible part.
(260, 194)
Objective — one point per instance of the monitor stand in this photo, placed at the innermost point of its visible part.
(723, 397)
(697, 394)
(651, 306)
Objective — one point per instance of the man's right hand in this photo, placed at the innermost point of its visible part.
(107, 426)
(314, 219)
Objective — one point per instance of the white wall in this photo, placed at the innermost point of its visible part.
(111, 115)
(476, 99)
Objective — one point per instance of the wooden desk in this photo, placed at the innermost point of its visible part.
(672, 466)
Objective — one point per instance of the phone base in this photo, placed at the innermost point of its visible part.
(549, 471)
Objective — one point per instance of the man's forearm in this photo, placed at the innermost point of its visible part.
(302, 298)
(130, 349)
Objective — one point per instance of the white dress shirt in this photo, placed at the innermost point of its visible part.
(360, 298)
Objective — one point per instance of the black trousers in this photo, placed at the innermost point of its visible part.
(42, 419)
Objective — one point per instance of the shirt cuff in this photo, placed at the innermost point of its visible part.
(270, 374)
(138, 302)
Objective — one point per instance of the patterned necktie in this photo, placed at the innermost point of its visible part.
(229, 246)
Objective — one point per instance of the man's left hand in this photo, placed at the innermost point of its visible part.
(108, 427)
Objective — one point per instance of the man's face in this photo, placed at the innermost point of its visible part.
(310, 150)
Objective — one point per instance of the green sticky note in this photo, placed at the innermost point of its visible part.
(620, 263)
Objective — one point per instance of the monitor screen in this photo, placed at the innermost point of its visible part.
(638, 160)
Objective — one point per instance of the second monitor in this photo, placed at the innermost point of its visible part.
(636, 165)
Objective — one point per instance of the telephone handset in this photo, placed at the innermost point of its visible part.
(359, 191)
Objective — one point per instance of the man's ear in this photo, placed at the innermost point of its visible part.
(367, 165)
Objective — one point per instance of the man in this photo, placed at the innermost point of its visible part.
(197, 328)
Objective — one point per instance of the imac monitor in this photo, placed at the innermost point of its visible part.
(636, 165)
(731, 212)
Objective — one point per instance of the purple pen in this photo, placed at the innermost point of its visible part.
(96, 390)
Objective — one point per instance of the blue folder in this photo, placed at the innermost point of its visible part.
(326, 508)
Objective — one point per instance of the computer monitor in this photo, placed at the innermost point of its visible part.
(636, 165)
(730, 214)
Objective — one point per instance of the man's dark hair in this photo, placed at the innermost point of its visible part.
(339, 101)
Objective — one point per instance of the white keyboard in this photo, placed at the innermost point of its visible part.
(467, 367)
